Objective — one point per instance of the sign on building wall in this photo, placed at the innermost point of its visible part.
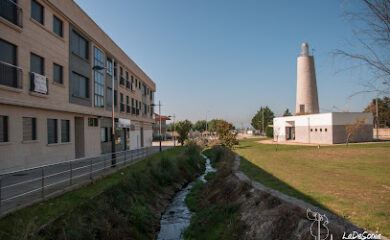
(40, 83)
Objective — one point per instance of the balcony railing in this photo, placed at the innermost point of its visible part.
(10, 75)
(37, 89)
(12, 12)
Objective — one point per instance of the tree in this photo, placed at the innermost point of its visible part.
(351, 130)
(223, 128)
(371, 25)
(383, 111)
(212, 125)
(287, 113)
(257, 120)
(200, 125)
(225, 134)
(229, 140)
(170, 127)
(183, 128)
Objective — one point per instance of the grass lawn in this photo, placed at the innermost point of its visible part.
(352, 182)
(19, 224)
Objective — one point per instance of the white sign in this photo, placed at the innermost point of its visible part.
(124, 123)
(40, 83)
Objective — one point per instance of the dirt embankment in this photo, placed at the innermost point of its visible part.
(264, 213)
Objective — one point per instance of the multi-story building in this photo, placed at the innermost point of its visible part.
(156, 127)
(55, 104)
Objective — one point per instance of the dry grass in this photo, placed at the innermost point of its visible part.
(352, 182)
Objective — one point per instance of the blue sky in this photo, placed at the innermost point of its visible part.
(227, 58)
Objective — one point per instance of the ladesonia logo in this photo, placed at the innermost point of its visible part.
(318, 228)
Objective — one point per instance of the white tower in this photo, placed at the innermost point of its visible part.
(307, 96)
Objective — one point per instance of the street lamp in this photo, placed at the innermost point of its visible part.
(98, 68)
(174, 130)
(159, 113)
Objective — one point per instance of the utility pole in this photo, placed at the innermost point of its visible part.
(159, 113)
(174, 130)
(113, 160)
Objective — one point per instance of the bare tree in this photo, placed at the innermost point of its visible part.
(351, 130)
(371, 27)
(276, 137)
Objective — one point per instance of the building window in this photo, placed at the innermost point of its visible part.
(79, 45)
(93, 122)
(326, 129)
(122, 105)
(29, 128)
(52, 131)
(57, 73)
(127, 104)
(302, 108)
(4, 129)
(99, 78)
(109, 66)
(80, 86)
(320, 129)
(104, 134)
(65, 133)
(11, 11)
(37, 11)
(37, 64)
(10, 74)
(132, 82)
(316, 129)
(57, 26)
(109, 96)
(311, 129)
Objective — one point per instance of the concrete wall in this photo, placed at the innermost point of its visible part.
(383, 132)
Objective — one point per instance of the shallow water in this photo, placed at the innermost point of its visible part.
(177, 216)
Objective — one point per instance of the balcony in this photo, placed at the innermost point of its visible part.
(122, 108)
(10, 75)
(40, 86)
(11, 11)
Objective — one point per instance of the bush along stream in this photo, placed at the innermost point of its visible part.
(177, 216)
(132, 208)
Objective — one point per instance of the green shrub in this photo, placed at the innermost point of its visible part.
(269, 131)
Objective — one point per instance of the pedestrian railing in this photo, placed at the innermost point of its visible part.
(25, 187)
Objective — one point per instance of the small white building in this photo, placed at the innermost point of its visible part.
(322, 128)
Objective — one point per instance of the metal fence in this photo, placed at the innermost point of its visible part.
(25, 187)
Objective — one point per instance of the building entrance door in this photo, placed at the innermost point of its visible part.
(290, 133)
(79, 136)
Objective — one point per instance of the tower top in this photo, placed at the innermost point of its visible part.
(305, 49)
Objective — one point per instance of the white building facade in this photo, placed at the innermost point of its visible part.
(322, 128)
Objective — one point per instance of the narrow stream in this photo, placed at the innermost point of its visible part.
(177, 216)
